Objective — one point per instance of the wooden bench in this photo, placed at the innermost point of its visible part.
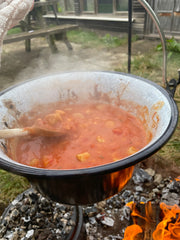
(41, 29)
(52, 34)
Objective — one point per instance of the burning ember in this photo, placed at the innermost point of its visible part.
(145, 222)
(169, 227)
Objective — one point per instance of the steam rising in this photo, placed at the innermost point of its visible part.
(18, 65)
(64, 61)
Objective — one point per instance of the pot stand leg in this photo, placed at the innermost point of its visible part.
(77, 233)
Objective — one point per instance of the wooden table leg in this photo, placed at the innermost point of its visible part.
(63, 37)
(52, 44)
(28, 45)
(66, 41)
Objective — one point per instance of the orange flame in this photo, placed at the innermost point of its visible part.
(132, 232)
(177, 179)
(135, 212)
(169, 227)
(116, 181)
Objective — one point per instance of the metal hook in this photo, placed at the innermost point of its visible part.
(161, 33)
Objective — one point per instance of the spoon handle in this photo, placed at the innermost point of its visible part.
(16, 132)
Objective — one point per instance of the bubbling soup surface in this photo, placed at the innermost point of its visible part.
(97, 134)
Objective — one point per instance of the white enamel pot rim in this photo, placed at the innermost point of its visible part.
(111, 79)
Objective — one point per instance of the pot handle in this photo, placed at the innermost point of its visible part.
(172, 84)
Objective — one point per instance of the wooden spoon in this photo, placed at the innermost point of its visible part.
(31, 131)
(43, 127)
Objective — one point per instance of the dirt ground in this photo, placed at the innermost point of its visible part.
(18, 65)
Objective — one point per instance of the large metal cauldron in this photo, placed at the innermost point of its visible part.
(156, 108)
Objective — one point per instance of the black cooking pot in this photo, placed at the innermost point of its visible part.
(85, 186)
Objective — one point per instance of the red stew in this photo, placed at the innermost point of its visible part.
(97, 134)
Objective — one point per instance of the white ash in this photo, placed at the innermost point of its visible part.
(32, 216)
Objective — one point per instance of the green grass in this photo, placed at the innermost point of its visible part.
(171, 44)
(149, 65)
(11, 185)
(14, 30)
(85, 38)
(146, 66)
(112, 41)
(92, 39)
